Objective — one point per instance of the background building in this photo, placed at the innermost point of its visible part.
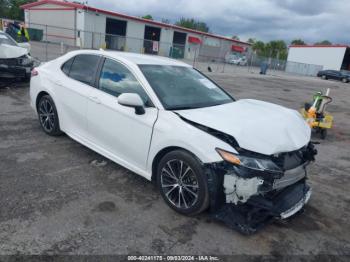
(88, 27)
(309, 59)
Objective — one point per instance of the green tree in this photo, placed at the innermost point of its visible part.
(165, 21)
(273, 49)
(11, 8)
(3, 8)
(324, 42)
(192, 24)
(298, 42)
(259, 47)
(277, 49)
(235, 37)
(149, 17)
(251, 41)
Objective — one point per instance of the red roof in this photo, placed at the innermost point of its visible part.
(89, 8)
(319, 46)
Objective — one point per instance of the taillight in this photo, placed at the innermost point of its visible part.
(34, 72)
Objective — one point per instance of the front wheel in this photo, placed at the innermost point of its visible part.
(344, 80)
(324, 77)
(48, 116)
(182, 183)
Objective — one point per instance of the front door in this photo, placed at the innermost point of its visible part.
(114, 128)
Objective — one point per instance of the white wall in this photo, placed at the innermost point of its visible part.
(328, 57)
(95, 23)
(80, 24)
(166, 41)
(191, 49)
(54, 18)
(134, 32)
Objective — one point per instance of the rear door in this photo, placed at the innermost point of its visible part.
(116, 129)
(74, 84)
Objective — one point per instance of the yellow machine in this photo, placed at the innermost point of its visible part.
(315, 114)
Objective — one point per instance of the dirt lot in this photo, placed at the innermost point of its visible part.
(55, 198)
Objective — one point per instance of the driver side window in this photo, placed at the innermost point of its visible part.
(116, 79)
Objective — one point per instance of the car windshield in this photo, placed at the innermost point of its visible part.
(6, 39)
(180, 87)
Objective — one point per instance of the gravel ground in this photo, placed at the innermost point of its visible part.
(59, 197)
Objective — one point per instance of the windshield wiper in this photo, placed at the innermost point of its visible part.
(184, 107)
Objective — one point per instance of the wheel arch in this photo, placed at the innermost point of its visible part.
(162, 153)
(39, 96)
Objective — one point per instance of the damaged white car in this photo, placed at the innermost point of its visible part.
(15, 60)
(245, 160)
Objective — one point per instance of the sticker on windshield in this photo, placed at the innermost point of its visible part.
(207, 83)
(3, 37)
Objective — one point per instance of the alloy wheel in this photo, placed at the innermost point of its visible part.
(46, 115)
(179, 184)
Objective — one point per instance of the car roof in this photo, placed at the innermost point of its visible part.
(138, 59)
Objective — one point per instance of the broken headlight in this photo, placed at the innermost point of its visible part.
(257, 164)
(25, 60)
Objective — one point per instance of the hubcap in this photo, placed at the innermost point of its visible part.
(46, 115)
(179, 184)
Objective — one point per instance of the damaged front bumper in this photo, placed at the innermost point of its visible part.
(16, 67)
(247, 200)
(258, 211)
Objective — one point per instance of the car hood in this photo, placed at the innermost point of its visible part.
(10, 51)
(257, 126)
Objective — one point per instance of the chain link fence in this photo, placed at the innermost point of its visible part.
(302, 69)
(50, 42)
(237, 62)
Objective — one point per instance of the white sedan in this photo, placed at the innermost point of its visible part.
(169, 123)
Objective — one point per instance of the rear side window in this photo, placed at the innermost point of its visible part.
(84, 67)
(67, 65)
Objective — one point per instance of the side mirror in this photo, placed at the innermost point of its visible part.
(132, 100)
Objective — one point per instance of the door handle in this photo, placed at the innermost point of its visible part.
(95, 99)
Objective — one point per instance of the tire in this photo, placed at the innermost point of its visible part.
(324, 77)
(323, 133)
(344, 80)
(188, 195)
(48, 117)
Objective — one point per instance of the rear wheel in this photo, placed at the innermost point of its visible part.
(182, 183)
(324, 77)
(48, 116)
(344, 80)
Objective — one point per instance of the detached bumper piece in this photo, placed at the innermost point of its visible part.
(259, 210)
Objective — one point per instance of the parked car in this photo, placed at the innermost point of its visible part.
(242, 61)
(15, 60)
(245, 159)
(342, 75)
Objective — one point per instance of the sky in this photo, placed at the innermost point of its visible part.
(310, 20)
